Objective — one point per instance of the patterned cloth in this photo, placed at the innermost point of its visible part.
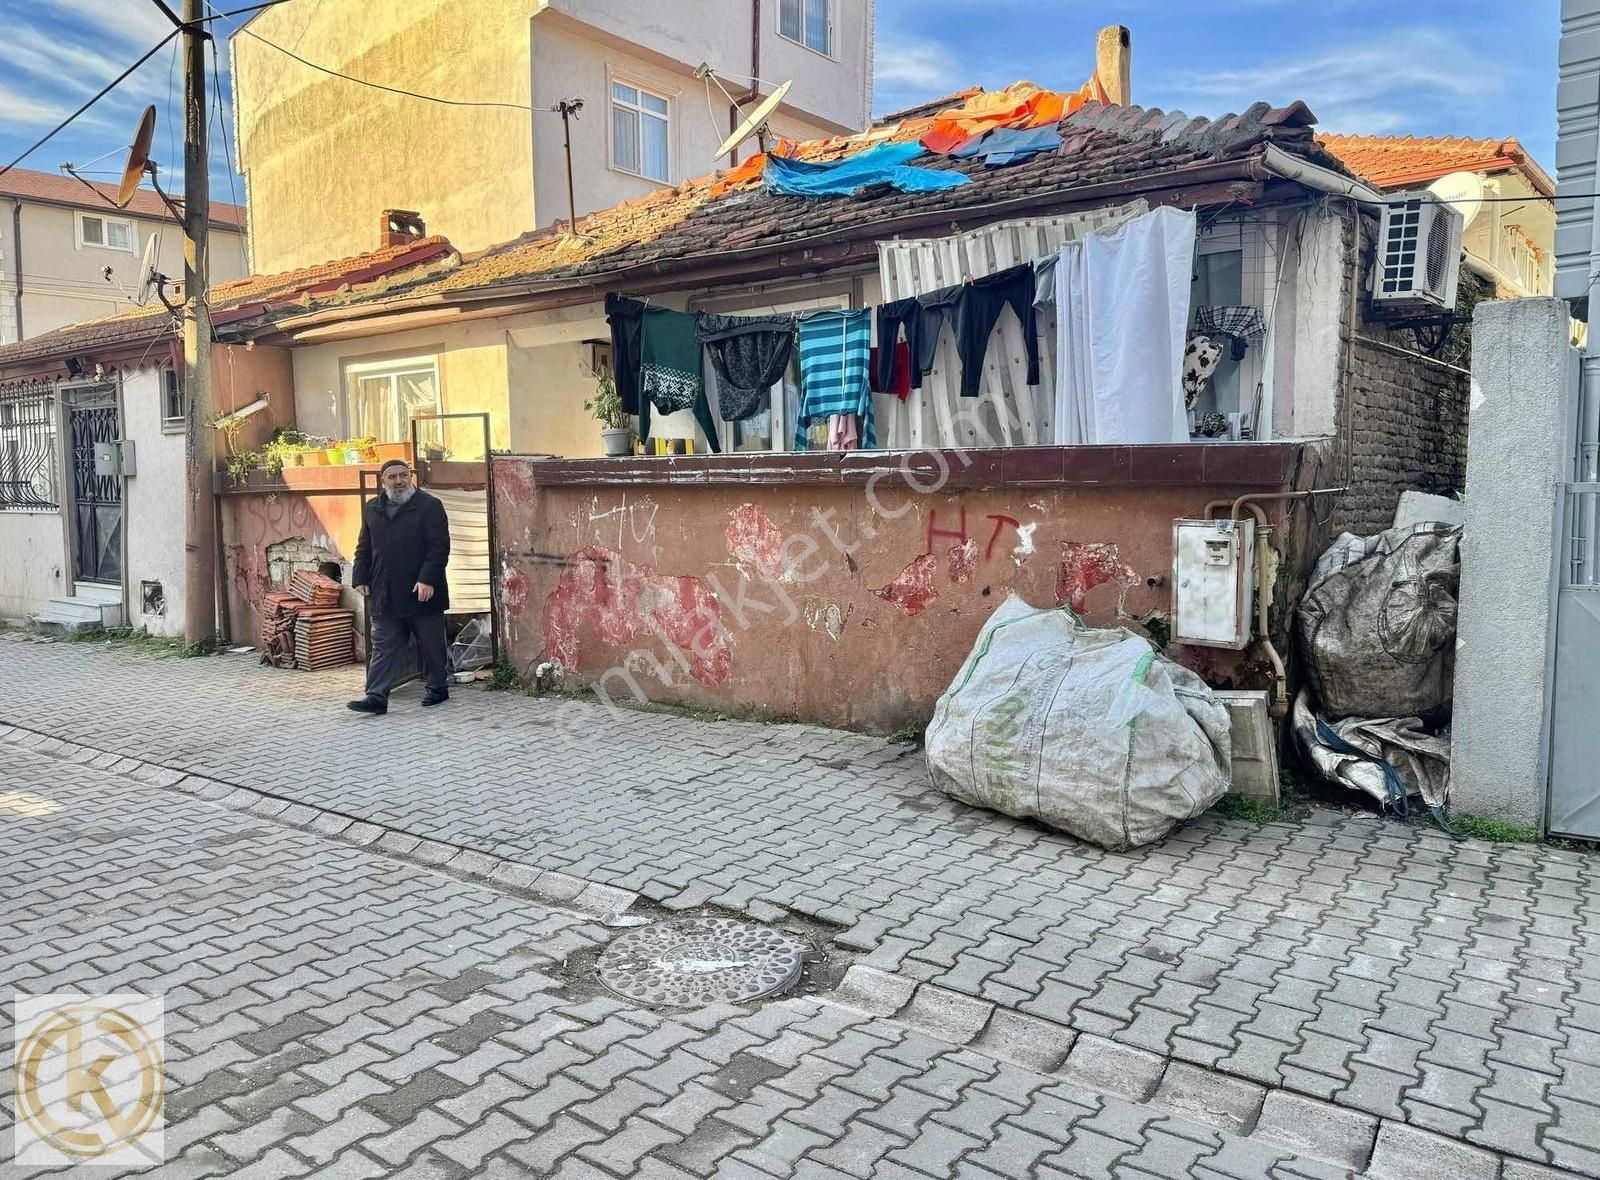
(671, 377)
(749, 355)
(835, 352)
(1241, 326)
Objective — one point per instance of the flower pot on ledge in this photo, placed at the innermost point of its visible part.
(616, 443)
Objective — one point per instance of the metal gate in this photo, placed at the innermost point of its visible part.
(96, 499)
(1575, 701)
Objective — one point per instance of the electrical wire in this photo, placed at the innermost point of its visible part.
(434, 98)
(222, 123)
(108, 88)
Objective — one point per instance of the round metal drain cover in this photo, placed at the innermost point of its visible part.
(687, 962)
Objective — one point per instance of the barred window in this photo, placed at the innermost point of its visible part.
(27, 450)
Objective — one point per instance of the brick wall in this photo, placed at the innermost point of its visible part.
(1402, 415)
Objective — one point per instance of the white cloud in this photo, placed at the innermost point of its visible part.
(924, 66)
(131, 22)
(28, 111)
(1370, 86)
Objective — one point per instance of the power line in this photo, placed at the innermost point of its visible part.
(449, 102)
(222, 121)
(109, 87)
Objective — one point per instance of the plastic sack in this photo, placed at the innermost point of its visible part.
(1378, 623)
(1388, 758)
(1089, 731)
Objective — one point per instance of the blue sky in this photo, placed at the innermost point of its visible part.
(1431, 67)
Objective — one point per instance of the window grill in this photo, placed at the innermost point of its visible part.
(28, 449)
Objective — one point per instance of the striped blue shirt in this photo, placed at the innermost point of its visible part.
(835, 347)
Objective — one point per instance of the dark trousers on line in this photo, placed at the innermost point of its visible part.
(390, 638)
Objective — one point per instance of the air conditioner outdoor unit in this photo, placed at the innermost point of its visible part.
(1419, 254)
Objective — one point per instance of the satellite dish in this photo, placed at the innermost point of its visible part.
(148, 275)
(1464, 191)
(138, 157)
(754, 121)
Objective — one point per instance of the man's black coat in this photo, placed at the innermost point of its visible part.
(393, 555)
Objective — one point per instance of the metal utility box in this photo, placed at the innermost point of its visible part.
(114, 458)
(1213, 584)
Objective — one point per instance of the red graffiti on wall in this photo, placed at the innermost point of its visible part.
(913, 590)
(755, 541)
(1085, 566)
(958, 534)
(617, 602)
(1000, 523)
(513, 482)
(963, 562)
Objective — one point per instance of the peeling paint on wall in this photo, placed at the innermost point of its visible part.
(826, 616)
(513, 588)
(913, 590)
(1087, 565)
(963, 562)
(757, 544)
(603, 595)
(1024, 547)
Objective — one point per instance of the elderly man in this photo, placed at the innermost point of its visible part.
(400, 560)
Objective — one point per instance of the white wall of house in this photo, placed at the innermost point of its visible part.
(1512, 236)
(63, 262)
(153, 504)
(34, 570)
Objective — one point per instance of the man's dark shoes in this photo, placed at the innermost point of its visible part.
(435, 698)
(369, 705)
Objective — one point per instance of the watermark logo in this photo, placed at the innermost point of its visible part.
(88, 1080)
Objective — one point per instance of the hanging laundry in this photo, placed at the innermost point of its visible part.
(835, 348)
(978, 309)
(671, 378)
(901, 314)
(897, 370)
(1009, 145)
(887, 163)
(1044, 281)
(1239, 326)
(749, 355)
(626, 317)
(843, 432)
(1122, 309)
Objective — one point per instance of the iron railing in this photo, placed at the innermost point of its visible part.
(28, 449)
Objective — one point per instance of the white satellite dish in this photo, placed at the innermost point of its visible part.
(1464, 191)
(755, 121)
(148, 275)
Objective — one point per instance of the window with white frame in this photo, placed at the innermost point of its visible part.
(810, 22)
(640, 132)
(110, 233)
(381, 397)
(1236, 273)
(172, 408)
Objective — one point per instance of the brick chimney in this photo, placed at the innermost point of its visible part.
(1114, 63)
(400, 226)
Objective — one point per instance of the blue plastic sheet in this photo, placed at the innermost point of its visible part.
(888, 163)
(1008, 145)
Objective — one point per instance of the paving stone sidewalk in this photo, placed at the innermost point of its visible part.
(1385, 970)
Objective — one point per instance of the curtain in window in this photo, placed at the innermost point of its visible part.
(817, 25)
(418, 394)
(789, 18)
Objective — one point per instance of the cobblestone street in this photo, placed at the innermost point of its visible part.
(373, 934)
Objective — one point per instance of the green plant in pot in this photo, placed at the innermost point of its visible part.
(616, 437)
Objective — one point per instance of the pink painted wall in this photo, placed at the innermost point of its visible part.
(801, 600)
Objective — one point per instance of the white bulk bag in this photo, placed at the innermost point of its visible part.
(1090, 731)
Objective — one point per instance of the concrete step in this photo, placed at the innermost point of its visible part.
(98, 592)
(88, 608)
(54, 622)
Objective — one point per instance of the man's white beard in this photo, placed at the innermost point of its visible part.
(402, 497)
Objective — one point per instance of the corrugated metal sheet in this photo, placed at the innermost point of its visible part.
(469, 548)
(1577, 117)
(1007, 411)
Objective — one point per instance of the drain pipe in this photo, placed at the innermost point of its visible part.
(1280, 677)
(16, 258)
(1290, 167)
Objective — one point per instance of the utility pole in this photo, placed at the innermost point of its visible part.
(200, 530)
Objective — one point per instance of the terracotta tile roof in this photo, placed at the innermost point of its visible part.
(65, 190)
(1402, 161)
(254, 297)
(932, 107)
(700, 219)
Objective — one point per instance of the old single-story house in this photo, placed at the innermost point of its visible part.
(847, 586)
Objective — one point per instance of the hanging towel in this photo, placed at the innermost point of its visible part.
(1122, 311)
(626, 317)
(748, 355)
(843, 432)
(835, 348)
(887, 163)
(1009, 145)
(979, 307)
(671, 379)
(898, 371)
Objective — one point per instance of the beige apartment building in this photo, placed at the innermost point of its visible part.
(67, 253)
(323, 156)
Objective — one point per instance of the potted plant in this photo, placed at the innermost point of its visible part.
(616, 438)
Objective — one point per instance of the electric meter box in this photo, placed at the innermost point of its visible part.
(1213, 587)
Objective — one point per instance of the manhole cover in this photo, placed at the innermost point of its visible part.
(692, 961)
